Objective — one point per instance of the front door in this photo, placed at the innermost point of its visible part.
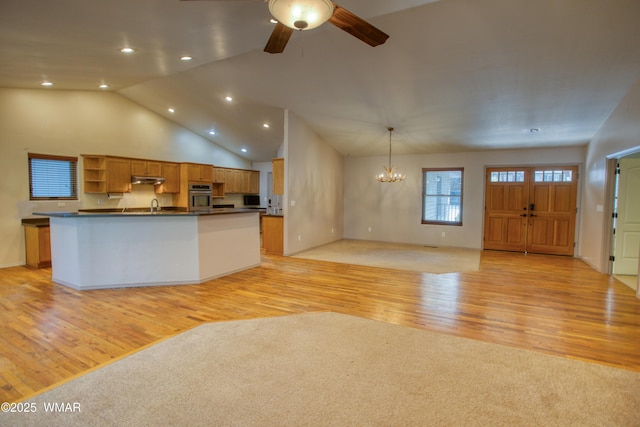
(531, 209)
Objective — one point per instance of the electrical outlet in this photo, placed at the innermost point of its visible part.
(444, 234)
(61, 204)
(299, 237)
(369, 229)
(332, 230)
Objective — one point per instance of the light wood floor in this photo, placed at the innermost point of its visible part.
(554, 305)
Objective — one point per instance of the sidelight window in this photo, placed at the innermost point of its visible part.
(53, 177)
(442, 196)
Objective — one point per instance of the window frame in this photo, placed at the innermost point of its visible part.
(425, 195)
(73, 175)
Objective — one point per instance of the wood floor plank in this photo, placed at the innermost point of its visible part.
(553, 305)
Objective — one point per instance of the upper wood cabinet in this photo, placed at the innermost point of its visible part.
(104, 174)
(141, 167)
(277, 166)
(238, 181)
(218, 174)
(199, 172)
(118, 175)
(171, 174)
(254, 182)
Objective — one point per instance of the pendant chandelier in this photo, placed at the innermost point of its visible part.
(390, 173)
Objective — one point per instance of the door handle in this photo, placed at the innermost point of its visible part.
(531, 206)
(524, 214)
(533, 215)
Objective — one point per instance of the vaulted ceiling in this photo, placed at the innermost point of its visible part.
(455, 75)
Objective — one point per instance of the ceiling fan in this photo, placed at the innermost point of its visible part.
(308, 14)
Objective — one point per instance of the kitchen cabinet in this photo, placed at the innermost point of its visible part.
(199, 172)
(218, 174)
(118, 175)
(277, 168)
(273, 234)
(229, 181)
(196, 173)
(141, 167)
(171, 174)
(254, 182)
(37, 240)
(105, 174)
(95, 174)
(238, 181)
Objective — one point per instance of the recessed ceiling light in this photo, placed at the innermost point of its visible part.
(244, 150)
(212, 132)
(171, 110)
(228, 98)
(265, 125)
(186, 58)
(127, 50)
(46, 84)
(104, 86)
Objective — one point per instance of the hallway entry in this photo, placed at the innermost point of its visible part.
(531, 209)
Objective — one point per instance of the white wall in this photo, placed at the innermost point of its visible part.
(621, 132)
(82, 122)
(314, 174)
(394, 210)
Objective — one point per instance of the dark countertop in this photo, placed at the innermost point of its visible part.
(146, 213)
(35, 222)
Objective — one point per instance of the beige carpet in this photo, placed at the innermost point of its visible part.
(398, 256)
(328, 369)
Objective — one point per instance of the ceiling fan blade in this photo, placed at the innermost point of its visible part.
(357, 26)
(279, 39)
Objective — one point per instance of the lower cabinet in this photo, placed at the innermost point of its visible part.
(38, 245)
(273, 234)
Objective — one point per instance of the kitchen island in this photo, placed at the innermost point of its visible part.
(100, 250)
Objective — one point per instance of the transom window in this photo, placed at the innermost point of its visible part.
(442, 196)
(53, 177)
(553, 176)
(507, 176)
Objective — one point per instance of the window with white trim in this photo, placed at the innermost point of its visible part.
(442, 196)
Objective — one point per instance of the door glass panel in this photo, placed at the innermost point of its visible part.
(553, 176)
(507, 176)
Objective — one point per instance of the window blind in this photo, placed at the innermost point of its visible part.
(53, 177)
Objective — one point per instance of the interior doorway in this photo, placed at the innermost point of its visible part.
(531, 209)
(625, 233)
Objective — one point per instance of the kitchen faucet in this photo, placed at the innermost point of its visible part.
(157, 205)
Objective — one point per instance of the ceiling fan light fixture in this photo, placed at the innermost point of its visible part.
(301, 14)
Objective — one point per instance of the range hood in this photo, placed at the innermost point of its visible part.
(154, 180)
